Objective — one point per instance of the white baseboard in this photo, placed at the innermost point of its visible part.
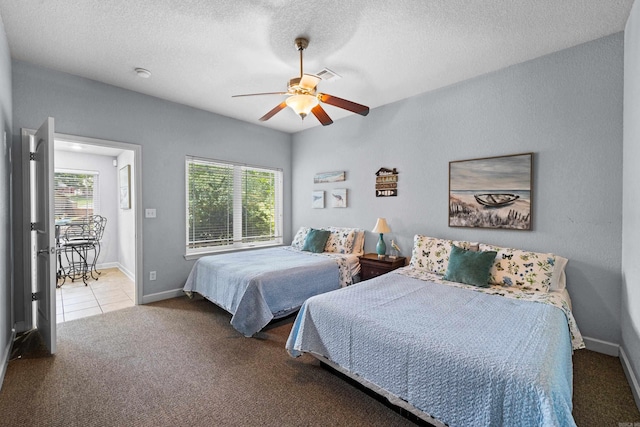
(600, 346)
(146, 299)
(631, 377)
(107, 265)
(126, 272)
(5, 357)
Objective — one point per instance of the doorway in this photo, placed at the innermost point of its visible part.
(88, 180)
(125, 245)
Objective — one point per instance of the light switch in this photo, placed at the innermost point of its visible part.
(149, 213)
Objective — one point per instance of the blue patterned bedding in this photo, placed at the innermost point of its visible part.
(462, 357)
(263, 284)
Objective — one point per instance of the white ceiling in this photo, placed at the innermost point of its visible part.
(201, 52)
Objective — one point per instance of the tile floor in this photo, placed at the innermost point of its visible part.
(112, 291)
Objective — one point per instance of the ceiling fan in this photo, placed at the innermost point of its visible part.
(304, 99)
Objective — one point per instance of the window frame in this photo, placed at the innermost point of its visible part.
(237, 244)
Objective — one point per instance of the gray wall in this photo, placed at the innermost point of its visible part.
(565, 107)
(630, 317)
(107, 191)
(167, 132)
(6, 277)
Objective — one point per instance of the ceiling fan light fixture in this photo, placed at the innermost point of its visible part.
(302, 104)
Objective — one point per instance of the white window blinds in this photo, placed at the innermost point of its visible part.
(76, 195)
(231, 205)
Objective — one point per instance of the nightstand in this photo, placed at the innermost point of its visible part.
(372, 266)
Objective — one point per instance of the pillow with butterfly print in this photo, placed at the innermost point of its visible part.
(432, 254)
(524, 269)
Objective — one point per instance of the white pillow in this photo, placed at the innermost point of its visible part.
(300, 237)
(358, 244)
(559, 278)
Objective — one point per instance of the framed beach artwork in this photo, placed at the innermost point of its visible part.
(317, 200)
(339, 198)
(491, 192)
(329, 177)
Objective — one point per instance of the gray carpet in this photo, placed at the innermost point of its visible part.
(179, 363)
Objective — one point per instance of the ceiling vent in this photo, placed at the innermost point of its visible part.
(328, 75)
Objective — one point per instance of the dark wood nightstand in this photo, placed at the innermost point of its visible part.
(372, 266)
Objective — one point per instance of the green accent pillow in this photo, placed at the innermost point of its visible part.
(316, 240)
(470, 267)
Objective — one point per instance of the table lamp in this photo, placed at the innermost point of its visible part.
(381, 227)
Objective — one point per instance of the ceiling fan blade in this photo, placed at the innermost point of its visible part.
(309, 81)
(263, 93)
(273, 112)
(321, 115)
(363, 110)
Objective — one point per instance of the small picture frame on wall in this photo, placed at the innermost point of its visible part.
(322, 177)
(339, 198)
(125, 187)
(317, 200)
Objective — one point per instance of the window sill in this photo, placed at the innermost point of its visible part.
(198, 255)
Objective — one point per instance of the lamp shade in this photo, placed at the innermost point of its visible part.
(381, 226)
(302, 104)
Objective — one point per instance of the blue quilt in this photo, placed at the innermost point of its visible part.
(260, 285)
(465, 358)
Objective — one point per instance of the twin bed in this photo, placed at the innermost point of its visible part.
(451, 353)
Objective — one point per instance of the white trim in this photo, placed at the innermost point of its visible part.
(126, 272)
(5, 357)
(631, 378)
(78, 171)
(599, 346)
(159, 296)
(105, 265)
(28, 322)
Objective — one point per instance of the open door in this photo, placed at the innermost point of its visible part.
(43, 227)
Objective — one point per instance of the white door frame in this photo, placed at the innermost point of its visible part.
(137, 190)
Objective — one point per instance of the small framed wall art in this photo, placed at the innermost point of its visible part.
(329, 177)
(317, 200)
(339, 198)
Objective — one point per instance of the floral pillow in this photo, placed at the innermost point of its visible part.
(300, 237)
(432, 254)
(524, 269)
(340, 240)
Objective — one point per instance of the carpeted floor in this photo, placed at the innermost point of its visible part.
(179, 363)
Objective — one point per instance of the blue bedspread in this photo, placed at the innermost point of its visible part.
(260, 285)
(463, 357)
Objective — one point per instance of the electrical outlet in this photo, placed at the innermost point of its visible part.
(150, 213)
(152, 275)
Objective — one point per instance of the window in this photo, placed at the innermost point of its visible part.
(76, 195)
(232, 206)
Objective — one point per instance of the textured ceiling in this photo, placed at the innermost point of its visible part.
(201, 52)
